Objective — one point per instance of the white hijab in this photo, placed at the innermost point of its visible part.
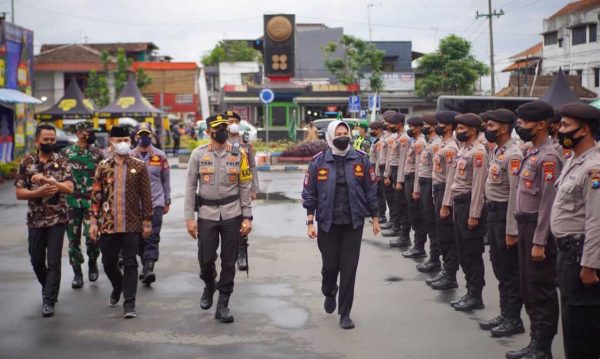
(330, 135)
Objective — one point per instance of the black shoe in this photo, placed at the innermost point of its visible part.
(405, 242)
(471, 303)
(383, 220)
(414, 253)
(538, 353)
(78, 278)
(436, 278)
(492, 323)
(144, 270)
(445, 283)
(395, 243)
(93, 271)
(242, 258)
(114, 299)
(222, 312)
(346, 322)
(508, 328)
(330, 303)
(391, 233)
(385, 225)
(149, 276)
(461, 299)
(47, 310)
(429, 267)
(129, 313)
(207, 296)
(518, 354)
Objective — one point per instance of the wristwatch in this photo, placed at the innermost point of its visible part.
(250, 218)
(308, 223)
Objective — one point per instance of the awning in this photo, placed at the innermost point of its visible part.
(321, 100)
(15, 96)
(242, 100)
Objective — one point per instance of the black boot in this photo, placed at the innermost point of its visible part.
(330, 303)
(346, 322)
(93, 271)
(242, 258)
(509, 327)
(78, 278)
(446, 282)
(207, 295)
(542, 350)
(144, 269)
(414, 253)
(385, 225)
(429, 266)
(222, 312)
(436, 278)
(396, 243)
(518, 354)
(392, 232)
(461, 299)
(149, 277)
(492, 323)
(472, 302)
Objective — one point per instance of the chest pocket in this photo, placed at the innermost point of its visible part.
(496, 171)
(461, 168)
(410, 157)
(437, 163)
(566, 195)
(425, 158)
(528, 183)
(207, 173)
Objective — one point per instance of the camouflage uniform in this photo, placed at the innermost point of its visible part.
(83, 163)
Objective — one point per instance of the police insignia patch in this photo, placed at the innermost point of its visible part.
(372, 174)
(567, 153)
(359, 171)
(322, 174)
(515, 166)
(478, 159)
(449, 157)
(403, 141)
(418, 148)
(548, 170)
(594, 178)
(306, 179)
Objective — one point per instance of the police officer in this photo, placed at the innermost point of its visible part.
(388, 192)
(467, 191)
(397, 152)
(387, 159)
(340, 187)
(443, 176)
(361, 142)
(574, 221)
(43, 180)
(501, 195)
(408, 179)
(554, 127)
(537, 250)
(218, 186)
(426, 193)
(84, 159)
(374, 151)
(160, 185)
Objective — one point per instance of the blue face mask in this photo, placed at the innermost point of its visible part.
(145, 141)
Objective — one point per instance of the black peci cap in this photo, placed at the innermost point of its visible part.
(119, 131)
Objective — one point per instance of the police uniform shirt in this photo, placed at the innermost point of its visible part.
(469, 176)
(443, 168)
(564, 153)
(576, 208)
(374, 150)
(539, 171)
(217, 175)
(426, 165)
(419, 147)
(503, 178)
(382, 158)
(392, 153)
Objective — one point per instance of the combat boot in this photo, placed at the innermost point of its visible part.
(446, 282)
(405, 238)
(414, 253)
(242, 258)
(385, 225)
(461, 299)
(395, 243)
(93, 271)
(492, 323)
(518, 354)
(149, 277)
(222, 314)
(540, 351)
(472, 302)
(78, 278)
(438, 277)
(392, 232)
(429, 266)
(509, 327)
(207, 295)
(144, 270)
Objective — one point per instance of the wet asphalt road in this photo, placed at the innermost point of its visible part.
(278, 309)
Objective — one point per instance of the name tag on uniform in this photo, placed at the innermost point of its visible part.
(322, 174)
(359, 170)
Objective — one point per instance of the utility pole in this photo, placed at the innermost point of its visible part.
(490, 16)
(12, 11)
(369, 6)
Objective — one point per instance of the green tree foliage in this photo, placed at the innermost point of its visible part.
(452, 69)
(231, 51)
(358, 57)
(97, 89)
(122, 71)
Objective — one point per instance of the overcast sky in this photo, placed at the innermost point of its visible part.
(187, 29)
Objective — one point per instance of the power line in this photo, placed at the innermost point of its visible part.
(490, 15)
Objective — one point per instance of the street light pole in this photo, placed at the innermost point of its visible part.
(369, 6)
(12, 11)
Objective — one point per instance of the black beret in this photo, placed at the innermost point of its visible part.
(430, 119)
(415, 121)
(556, 118)
(535, 111)
(216, 120)
(119, 131)
(396, 118)
(484, 115)
(233, 114)
(387, 114)
(502, 116)
(469, 119)
(377, 125)
(446, 117)
(581, 111)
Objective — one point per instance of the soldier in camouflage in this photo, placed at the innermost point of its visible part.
(83, 158)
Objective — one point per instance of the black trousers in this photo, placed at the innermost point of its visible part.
(469, 244)
(445, 233)
(390, 197)
(381, 198)
(428, 214)
(340, 250)
(538, 281)
(126, 283)
(414, 212)
(45, 252)
(209, 233)
(149, 246)
(580, 310)
(400, 197)
(505, 261)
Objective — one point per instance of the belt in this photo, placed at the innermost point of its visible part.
(215, 202)
(462, 198)
(439, 186)
(526, 217)
(424, 180)
(497, 206)
(409, 175)
(572, 245)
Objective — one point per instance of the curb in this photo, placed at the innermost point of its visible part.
(263, 168)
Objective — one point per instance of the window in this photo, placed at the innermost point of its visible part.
(597, 77)
(593, 32)
(578, 35)
(560, 42)
(278, 116)
(184, 99)
(550, 38)
(389, 67)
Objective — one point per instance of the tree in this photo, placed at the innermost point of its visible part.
(231, 51)
(358, 55)
(452, 69)
(122, 71)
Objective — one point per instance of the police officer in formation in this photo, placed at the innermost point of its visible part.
(377, 128)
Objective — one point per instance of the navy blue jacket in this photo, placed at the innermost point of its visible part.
(319, 188)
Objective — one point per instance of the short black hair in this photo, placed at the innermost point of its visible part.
(44, 126)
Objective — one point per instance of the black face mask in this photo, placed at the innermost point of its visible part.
(393, 129)
(411, 133)
(426, 131)
(491, 136)
(440, 130)
(526, 134)
(341, 143)
(462, 136)
(91, 138)
(220, 136)
(47, 148)
(568, 140)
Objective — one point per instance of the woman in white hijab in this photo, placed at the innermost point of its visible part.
(340, 190)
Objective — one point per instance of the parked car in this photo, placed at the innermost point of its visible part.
(322, 123)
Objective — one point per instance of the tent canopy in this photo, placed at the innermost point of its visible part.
(73, 105)
(130, 103)
(559, 93)
(16, 96)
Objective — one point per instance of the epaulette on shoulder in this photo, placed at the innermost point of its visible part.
(320, 154)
